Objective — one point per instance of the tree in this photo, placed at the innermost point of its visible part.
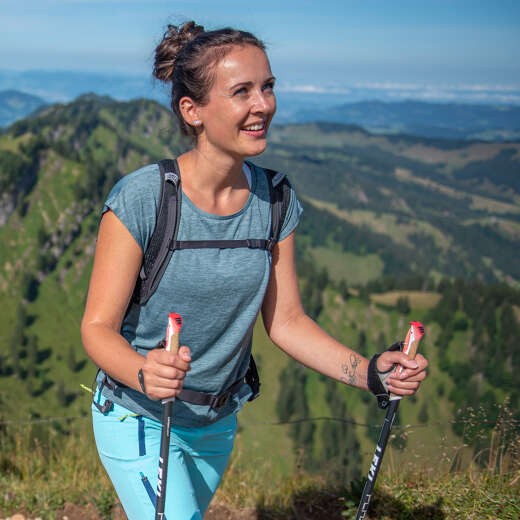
(362, 343)
(32, 356)
(292, 404)
(17, 341)
(71, 359)
(403, 305)
(423, 416)
(61, 394)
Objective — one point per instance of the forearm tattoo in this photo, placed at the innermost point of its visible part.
(349, 373)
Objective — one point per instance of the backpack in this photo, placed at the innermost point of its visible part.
(163, 243)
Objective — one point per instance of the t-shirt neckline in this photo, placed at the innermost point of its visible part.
(251, 180)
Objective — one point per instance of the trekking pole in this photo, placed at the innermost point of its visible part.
(172, 345)
(414, 336)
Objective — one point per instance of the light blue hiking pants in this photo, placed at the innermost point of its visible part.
(129, 445)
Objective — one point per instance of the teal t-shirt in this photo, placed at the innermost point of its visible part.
(218, 292)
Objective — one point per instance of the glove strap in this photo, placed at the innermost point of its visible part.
(376, 380)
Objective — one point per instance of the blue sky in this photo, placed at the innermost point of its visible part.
(312, 44)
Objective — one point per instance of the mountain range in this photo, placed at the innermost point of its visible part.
(388, 221)
(379, 108)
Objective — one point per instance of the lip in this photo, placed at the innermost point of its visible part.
(255, 133)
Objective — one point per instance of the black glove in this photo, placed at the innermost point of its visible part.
(376, 380)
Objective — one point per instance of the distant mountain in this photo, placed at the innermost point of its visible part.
(444, 120)
(462, 119)
(15, 104)
(65, 85)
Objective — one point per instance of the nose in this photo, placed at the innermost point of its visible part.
(264, 102)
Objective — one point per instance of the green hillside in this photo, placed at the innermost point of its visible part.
(394, 228)
(432, 207)
(55, 170)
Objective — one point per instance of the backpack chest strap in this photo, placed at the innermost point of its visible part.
(251, 243)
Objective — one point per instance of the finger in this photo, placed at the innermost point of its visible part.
(407, 373)
(407, 362)
(166, 358)
(417, 376)
(387, 359)
(168, 372)
(421, 361)
(163, 393)
(408, 385)
(403, 388)
(184, 353)
(158, 383)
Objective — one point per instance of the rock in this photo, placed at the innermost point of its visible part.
(18, 516)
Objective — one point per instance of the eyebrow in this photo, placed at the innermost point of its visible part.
(249, 83)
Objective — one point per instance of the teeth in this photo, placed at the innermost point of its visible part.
(254, 127)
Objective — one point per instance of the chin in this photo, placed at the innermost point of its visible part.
(257, 150)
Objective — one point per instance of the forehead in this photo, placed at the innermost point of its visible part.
(242, 63)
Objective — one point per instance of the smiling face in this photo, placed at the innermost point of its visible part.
(240, 106)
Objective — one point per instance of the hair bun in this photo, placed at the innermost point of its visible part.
(174, 39)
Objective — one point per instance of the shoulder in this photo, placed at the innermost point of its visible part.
(140, 181)
(141, 187)
(134, 199)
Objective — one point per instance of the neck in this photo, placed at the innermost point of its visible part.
(209, 173)
(214, 182)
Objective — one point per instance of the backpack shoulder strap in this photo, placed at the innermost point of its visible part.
(280, 191)
(159, 252)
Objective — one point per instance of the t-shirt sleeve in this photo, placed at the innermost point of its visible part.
(292, 217)
(134, 200)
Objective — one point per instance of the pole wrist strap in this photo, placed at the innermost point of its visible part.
(376, 380)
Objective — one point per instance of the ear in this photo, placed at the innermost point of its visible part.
(189, 111)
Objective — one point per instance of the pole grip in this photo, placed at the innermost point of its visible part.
(411, 344)
(172, 339)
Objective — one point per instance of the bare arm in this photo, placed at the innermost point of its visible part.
(300, 337)
(116, 265)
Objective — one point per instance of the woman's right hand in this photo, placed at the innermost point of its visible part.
(164, 372)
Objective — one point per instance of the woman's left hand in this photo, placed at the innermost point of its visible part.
(410, 378)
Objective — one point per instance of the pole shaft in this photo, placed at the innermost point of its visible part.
(377, 459)
(167, 410)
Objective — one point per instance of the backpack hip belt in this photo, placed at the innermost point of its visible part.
(214, 401)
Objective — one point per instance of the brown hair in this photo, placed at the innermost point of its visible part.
(187, 56)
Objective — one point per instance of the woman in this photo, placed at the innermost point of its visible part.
(222, 94)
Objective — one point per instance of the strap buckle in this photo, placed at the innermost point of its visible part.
(220, 400)
(105, 408)
(270, 244)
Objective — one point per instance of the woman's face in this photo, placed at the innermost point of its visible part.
(241, 104)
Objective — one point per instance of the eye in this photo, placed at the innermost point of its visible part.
(241, 90)
(269, 85)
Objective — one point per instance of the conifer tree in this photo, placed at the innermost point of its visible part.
(423, 416)
(71, 359)
(32, 356)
